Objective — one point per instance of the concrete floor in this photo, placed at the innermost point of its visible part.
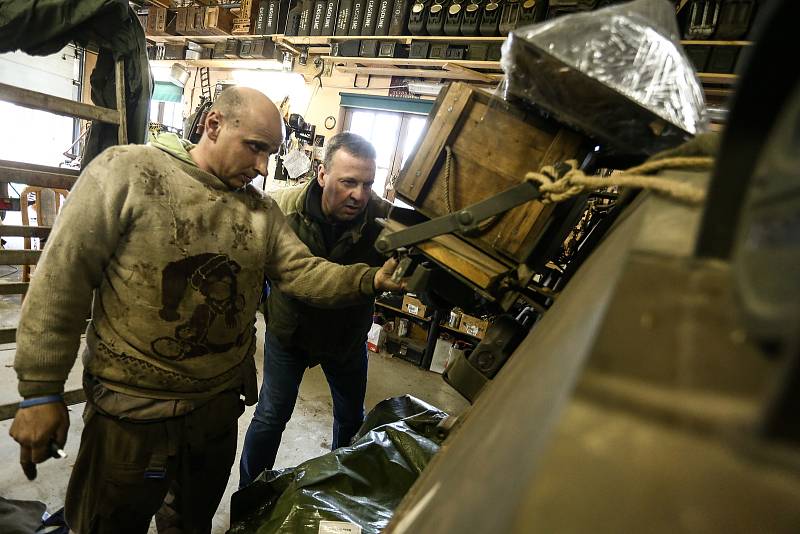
(307, 435)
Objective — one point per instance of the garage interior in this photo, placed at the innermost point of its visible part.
(595, 216)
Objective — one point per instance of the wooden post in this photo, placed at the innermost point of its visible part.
(122, 136)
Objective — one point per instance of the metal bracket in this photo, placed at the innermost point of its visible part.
(464, 220)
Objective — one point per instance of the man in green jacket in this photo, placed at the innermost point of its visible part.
(169, 244)
(334, 216)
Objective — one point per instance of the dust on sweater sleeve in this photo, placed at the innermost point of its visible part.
(309, 278)
(83, 239)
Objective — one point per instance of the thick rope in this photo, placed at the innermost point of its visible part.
(447, 166)
(574, 182)
(448, 194)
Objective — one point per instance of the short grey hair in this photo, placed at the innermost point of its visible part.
(353, 144)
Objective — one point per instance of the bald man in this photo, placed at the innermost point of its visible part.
(169, 244)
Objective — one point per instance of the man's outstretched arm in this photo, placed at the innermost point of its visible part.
(318, 281)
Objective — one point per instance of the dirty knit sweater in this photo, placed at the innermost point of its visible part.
(172, 263)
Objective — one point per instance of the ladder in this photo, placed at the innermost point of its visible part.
(205, 83)
(51, 178)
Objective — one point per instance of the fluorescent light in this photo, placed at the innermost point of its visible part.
(421, 88)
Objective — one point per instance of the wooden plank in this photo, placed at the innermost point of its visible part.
(57, 105)
(19, 257)
(122, 112)
(471, 74)
(710, 77)
(383, 61)
(718, 92)
(460, 257)
(446, 113)
(224, 64)
(422, 73)
(37, 175)
(467, 261)
(8, 335)
(398, 310)
(8, 230)
(290, 48)
(525, 224)
(13, 288)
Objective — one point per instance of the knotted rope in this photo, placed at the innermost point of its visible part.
(574, 182)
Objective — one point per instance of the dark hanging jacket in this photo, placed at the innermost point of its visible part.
(316, 333)
(46, 26)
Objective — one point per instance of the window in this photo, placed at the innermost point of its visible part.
(394, 136)
(167, 113)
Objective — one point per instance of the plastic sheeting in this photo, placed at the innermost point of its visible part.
(361, 484)
(619, 74)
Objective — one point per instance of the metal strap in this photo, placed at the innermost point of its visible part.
(464, 220)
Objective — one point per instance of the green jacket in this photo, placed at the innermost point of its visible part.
(316, 333)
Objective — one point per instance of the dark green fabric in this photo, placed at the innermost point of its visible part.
(316, 333)
(361, 484)
(46, 26)
(20, 517)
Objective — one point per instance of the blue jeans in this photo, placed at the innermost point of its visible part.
(283, 371)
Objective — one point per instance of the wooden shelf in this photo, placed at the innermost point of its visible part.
(203, 39)
(384, 61)
(245, 64)
(378, 63)
(398, 310)
(406, 39)
(445, 327)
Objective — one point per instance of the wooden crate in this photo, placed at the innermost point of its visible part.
(493, 145)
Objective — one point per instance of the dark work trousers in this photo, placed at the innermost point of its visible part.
(283, 371)
(176, 469)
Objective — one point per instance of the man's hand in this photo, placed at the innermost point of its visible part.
(383, 278)
(34, 428)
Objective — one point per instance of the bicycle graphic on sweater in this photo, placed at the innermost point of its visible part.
(211, 327)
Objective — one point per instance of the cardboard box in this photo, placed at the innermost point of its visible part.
(376, 338)
(441, 353)
(413, 306)
(473, 326)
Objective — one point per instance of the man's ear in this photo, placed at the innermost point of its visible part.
(213, 124)
(321, 175)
